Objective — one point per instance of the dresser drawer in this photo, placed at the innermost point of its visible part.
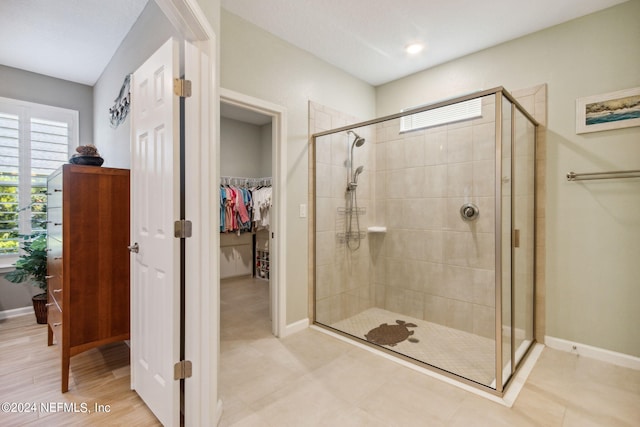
(54, 222)
(55, 291)
(54, 191)
(54, 318)
(54, 200)
(54, 247)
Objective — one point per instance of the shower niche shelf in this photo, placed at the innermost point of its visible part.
(377, 229)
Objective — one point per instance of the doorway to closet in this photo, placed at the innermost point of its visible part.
(251, 146)
(245, 211)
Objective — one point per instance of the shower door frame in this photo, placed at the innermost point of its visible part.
(514, 365)
(498, 93)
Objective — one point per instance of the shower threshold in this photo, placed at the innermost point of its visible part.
(468, 360)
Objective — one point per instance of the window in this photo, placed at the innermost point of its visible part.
(34, 141)
(466, 110)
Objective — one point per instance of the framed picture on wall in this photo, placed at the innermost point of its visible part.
(614, 110)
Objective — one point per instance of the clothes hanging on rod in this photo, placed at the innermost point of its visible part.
(261, 207)
(244, 204)
(235, 209)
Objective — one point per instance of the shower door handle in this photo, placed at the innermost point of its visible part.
(469, 212)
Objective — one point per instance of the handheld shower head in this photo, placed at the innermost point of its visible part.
(356, 173)
(353, 184)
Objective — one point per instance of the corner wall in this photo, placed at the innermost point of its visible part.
(343, 286)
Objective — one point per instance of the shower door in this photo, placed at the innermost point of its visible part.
(517, 242)
(524, 233)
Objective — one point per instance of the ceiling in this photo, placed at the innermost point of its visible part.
(68, 39)
(366, 38)
(75, 39)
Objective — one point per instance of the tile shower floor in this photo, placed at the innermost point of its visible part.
(462, 353)
(312, 379)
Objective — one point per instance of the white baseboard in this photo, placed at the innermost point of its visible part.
(7, 314)
(294, 327)
(597, 353)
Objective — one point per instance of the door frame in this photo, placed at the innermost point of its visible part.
(277, 228)
(202, 326)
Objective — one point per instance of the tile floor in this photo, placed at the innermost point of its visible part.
(453, 350)
(312, 379)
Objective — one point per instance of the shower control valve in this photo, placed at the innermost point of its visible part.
(469, 212)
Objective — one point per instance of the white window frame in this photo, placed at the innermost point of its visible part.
(26, 111)
(460, 111)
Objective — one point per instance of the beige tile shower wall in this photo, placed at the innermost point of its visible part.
(343, 286)
(434, 265)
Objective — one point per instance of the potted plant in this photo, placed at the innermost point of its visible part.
(32, 266)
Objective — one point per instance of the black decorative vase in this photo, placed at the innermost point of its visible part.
(87, 160)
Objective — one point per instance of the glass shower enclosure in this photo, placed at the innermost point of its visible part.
(424, 235)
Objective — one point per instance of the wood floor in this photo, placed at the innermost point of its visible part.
(30, 382)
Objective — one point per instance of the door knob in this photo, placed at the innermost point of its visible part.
(134, 248)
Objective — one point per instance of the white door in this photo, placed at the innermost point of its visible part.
(155, 268)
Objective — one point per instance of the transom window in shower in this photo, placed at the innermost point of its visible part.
(471, 109)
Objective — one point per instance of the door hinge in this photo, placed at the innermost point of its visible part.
(182, 229)
(182, 370)
(182, 87)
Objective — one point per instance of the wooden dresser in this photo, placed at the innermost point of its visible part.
(88, 259)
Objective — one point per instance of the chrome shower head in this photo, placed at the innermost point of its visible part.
(358, 141)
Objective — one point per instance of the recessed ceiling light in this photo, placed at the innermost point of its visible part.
(414, 48)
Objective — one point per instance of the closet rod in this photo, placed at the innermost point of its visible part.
(572, 176)
(240, 180)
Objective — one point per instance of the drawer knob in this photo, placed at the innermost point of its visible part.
(49, 304)
(49, 277)
(55, 291)
(57, 324)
